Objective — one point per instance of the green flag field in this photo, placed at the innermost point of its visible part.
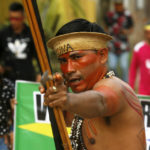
(32, 126)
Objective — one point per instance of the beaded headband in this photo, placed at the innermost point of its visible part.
(78, 41)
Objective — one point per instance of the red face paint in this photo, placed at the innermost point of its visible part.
(82, 69)
(16, 18)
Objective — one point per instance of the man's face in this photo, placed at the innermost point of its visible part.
(147, 35)
(119, 7)
(81, 69)
(16, 19)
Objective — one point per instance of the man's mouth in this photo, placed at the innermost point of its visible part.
(74, 80)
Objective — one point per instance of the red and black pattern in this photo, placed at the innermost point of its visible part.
(116, 22)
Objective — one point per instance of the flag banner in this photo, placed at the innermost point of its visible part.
(145, 101)
(32, 130)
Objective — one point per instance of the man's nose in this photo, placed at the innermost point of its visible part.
(70, 67)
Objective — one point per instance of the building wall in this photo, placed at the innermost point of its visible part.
(140, 16)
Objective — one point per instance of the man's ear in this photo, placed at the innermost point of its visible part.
(103, 53)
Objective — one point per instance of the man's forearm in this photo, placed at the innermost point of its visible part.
(87, 104)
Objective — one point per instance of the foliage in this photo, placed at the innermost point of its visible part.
(54, 14)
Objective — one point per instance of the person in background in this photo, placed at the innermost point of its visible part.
(141, 61)
(119, 24)
(6, 100)
(17, 48)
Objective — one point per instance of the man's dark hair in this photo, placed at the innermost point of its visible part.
(79, 25)
(16, 6)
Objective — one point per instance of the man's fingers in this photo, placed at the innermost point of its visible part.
(56, 92)
(45, 103)
(42, 89)
(51, 91)
(58, 79)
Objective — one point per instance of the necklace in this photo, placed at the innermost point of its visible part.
(76, 134)
(76, 128)
(109, 75)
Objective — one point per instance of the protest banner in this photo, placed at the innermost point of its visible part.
(32, 128)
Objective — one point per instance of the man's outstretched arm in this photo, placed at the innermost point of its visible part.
(102, 101)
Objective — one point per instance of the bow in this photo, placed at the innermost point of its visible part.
(61, 139)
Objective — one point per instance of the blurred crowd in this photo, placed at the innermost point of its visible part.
(17, 54)
(119, 23)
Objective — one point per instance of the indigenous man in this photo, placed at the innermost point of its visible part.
(108, 115)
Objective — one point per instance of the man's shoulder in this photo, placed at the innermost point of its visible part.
(139, 46)
(113, 83)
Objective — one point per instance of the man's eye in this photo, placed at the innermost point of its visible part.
(76, 57)
(62, 61)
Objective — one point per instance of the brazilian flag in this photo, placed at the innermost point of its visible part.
(32, 129)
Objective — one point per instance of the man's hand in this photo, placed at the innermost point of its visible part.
(56, 96)
(13, 102)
